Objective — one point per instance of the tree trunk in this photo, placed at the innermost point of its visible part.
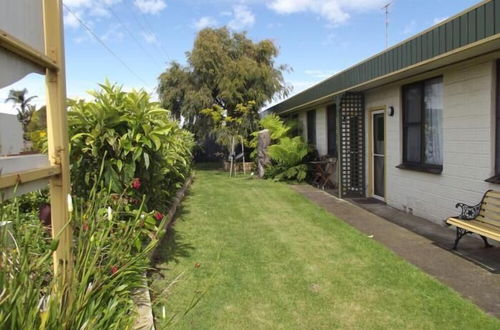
(262, 156)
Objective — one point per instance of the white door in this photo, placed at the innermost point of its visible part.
(378, 154)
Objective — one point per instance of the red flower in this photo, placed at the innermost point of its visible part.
(114, 269)
(85, 226)
(159, 216)
(136, 183)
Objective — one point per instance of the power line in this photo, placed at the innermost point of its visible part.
(132, 35)
(145, 27)
(93, 34)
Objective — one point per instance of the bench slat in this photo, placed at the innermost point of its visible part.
(478, 227)
(493, 193)
(489, 221)
(492, 207)
(490, 214)
(491, 201)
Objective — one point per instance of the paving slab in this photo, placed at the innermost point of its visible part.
(469, 279)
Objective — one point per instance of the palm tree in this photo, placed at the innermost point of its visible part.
(25, 110)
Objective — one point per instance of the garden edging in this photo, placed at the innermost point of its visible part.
(142, 298)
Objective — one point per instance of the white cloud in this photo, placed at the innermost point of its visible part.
(114, 33)
(410, 27)
(335, 11)
(150, 38)
(71, 20)
(150, 6)
(320, 74)
(274, 25)
(329, 39)
(296, 87)
(438, 20)
(243, 18)
(86, 10)
(204, 22)
(77, 3)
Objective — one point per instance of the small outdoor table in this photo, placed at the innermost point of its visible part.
(323, 170)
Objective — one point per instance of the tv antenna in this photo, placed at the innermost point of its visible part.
(386, 9)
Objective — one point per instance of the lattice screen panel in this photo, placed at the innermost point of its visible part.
(352, 145)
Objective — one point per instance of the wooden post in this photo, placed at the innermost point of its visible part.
(232, 157)
(57, 133)
(243, 151)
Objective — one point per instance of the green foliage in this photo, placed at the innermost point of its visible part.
(287, 156)
(277, 127)
(135, 138)
(228, 129)
(36, 130)
(111, 254)
(25, 109)
(227, 70)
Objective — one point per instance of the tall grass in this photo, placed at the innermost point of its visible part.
(111, 252)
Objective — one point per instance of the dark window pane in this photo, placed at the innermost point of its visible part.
(378, 133)
(332, 130)
(413, 104)
(311, 127)
(413, 140)
(378, 172)
(433, 126)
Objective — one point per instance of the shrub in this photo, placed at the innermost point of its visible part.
(287, 156)
(287, 153)
(137, 140)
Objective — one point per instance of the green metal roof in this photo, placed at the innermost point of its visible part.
(477, 23)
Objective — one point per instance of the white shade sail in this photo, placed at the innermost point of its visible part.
(22, 19)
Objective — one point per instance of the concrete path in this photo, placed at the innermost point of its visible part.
(470, 280)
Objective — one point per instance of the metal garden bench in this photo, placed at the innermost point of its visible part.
(482, 219)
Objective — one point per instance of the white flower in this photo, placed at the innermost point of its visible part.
(70, 204)
(110, 213)
(43, 303)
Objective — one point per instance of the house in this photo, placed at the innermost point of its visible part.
(417, 125)
(11, 135)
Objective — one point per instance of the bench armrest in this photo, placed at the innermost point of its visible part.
(468, 212)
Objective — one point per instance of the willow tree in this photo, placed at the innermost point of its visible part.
(225, 71)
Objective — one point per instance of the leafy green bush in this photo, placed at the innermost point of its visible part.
(128, 158)
(287, 153)
(277, 130)
(143, 148)
(277, 127)
(287, 156)
(112, 244)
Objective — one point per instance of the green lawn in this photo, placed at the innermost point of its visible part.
(253, 254)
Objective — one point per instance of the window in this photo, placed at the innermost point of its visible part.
(496, 177)
(311, 127)
(331, 117)
(293, 121)
(423, 126)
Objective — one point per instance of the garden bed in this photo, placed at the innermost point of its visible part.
(142, 297)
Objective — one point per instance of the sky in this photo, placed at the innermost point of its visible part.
(134, 41)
